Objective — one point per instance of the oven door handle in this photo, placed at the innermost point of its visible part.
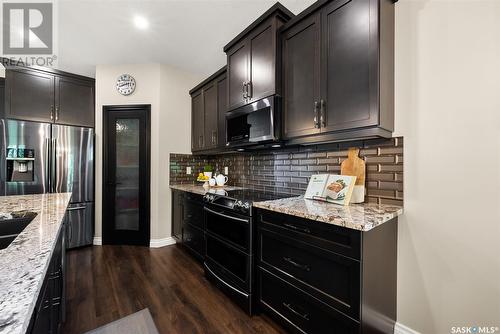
(223, 282)
(225, 216)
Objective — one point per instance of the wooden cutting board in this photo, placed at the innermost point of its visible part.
(354, 166)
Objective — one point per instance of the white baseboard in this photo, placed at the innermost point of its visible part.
(399, 328)
(97, 241)
(157, 243)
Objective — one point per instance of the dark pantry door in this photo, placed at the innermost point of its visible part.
(126, 175)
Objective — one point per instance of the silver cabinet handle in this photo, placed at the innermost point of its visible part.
(323, 116)
(249, 89)
(315, 119)
(51, 113)
(245, 89)
(57, 113)
(289, 307)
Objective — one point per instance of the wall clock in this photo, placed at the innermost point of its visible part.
(125, 84)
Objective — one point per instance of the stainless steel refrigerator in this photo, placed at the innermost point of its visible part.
(48, 158)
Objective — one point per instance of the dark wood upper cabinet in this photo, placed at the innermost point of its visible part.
(197, 121)
(253, 58)
(74, 102)
(301, 70)
(221, 109)
(29, 95)
(208, 108)
(211, 115)
(49, 96)
(238, 76)
(353, 43)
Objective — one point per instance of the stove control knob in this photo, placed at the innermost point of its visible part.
(246, 206)
(237, 204)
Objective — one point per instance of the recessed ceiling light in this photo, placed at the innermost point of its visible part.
(141, 22)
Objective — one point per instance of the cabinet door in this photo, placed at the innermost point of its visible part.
(30, 95)
(177, 214)
(262, 63)
(211, 115)
(221, 110)
(74, 102)
(349, 71)
(238, 74)
(301, 65)
(197, 121)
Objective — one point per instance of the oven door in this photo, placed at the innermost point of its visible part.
(231, 228)
(252, 124)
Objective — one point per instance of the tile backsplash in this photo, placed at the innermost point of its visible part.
(288, 170)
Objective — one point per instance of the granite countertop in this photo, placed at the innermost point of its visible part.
(24, 263)
(200, 190)
(362, 217)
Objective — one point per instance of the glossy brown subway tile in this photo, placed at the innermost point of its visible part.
(288, 170)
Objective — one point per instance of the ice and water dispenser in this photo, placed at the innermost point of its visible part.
(20, 164)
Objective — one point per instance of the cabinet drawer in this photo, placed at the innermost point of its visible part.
(327, 276)
(299, 311)
(194, 240)
(334, 238)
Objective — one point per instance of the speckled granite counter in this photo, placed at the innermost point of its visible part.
(362, 217)
(200, 190)
(24, 263)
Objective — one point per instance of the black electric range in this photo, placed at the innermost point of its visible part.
(240, 201)
(229, 241)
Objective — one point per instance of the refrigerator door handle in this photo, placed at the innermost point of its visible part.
(53, 167)
(47, 162)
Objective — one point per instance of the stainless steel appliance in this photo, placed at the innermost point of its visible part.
(254, 124)
(229, 241)
(43, 158)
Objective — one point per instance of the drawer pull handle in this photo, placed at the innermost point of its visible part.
(296, 264)
(300, 229)
(303, 316)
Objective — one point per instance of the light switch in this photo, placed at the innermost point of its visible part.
(188, 170)
(226, 170)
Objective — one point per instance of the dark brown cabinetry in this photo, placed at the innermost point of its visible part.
(320, 278)
(74, 102)
(208, 108)
(253, 58)
(177, 214)
(47, 96)
(48, 314)
(338, 72)
(193, 225)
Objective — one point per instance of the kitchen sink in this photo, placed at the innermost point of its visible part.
(13, 223)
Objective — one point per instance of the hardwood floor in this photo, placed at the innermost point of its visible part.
(106, 283)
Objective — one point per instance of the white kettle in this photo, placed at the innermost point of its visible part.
(221, 180)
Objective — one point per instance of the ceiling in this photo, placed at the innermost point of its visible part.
(184, 33)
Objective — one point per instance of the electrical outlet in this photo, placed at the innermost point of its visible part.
(226, 170)
(188, 170)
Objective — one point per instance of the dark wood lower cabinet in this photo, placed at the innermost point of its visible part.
(188, 226)
(48, 314)
(319, 278)
(177, 214)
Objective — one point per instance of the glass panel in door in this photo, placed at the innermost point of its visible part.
(127, 174)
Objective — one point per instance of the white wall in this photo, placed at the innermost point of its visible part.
(448, 110)
(166, 89)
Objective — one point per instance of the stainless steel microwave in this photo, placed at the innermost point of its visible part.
(254, 124)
